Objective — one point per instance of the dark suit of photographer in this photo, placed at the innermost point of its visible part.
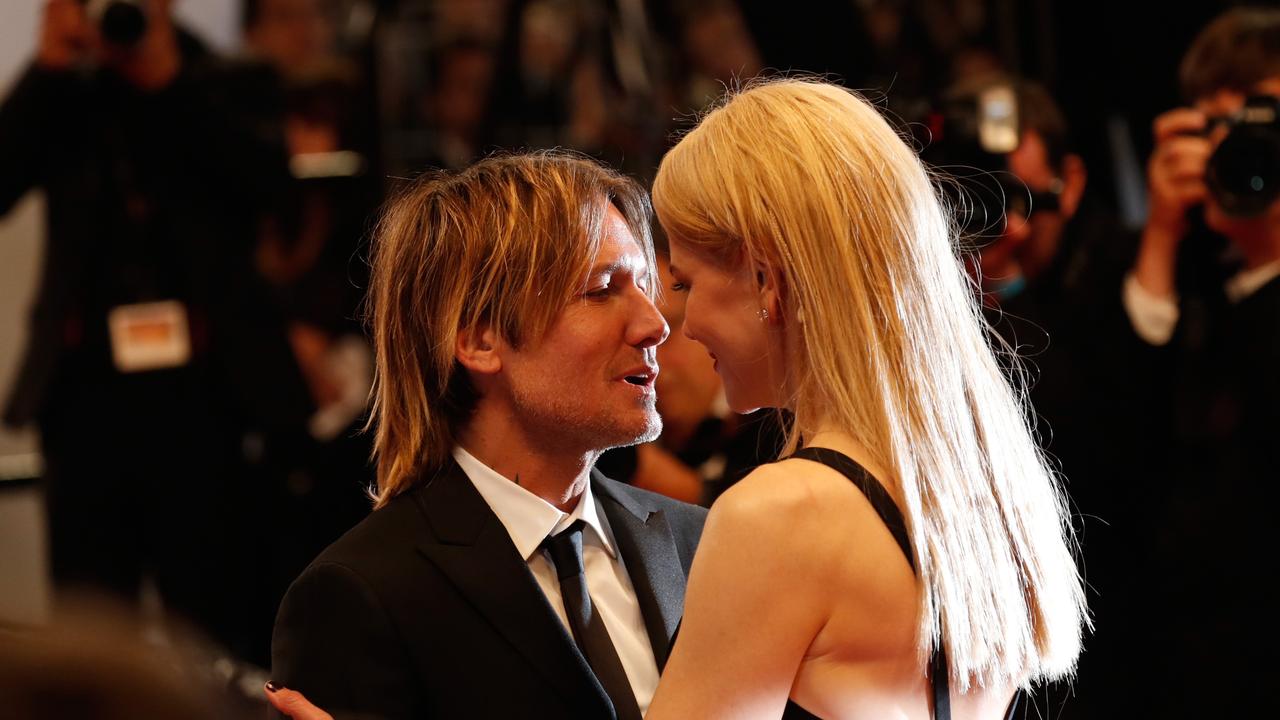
(152, 168)
(1205, 292)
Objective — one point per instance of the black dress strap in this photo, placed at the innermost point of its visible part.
(880, 499)
(891, 516)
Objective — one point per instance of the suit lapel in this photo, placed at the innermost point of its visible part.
(649, 551)
(473, 549)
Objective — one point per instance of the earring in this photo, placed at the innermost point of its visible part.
(763, 314)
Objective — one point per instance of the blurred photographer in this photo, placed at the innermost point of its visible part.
(1019, 191)
(1204, 290)
(1047, 256)
(1042, 249)
(1214, 168)
(155, 362)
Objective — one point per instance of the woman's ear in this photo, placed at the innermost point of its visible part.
(771, 292)
(478, 350)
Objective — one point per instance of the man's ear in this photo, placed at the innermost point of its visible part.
(1074, 179)
(477, 349)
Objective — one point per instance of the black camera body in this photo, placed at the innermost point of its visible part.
(121, 22)
(1243, 173)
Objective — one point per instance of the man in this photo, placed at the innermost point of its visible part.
(1205, 286)
(1204, 297)
(154, 352)
(515, 330)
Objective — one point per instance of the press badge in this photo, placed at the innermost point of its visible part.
(149, 336)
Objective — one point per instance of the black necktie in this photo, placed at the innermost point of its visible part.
(587, 624)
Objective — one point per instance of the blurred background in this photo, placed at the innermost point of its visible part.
(213, 167)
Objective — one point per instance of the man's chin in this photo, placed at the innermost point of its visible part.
(644, 432)
(1231, 226)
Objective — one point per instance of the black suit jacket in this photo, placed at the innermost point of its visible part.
(426, 609)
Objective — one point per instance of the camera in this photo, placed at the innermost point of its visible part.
(1243, 174)
(969, 137)
(121, 22)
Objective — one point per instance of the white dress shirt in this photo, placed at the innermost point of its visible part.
(529, 520)
(1154, 317)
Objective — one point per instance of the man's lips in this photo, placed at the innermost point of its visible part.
(639, 376)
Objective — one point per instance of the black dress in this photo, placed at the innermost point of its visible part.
(892, 518)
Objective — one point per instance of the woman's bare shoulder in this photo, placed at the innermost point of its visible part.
(811, 511)
(765, 508)
(796, 502)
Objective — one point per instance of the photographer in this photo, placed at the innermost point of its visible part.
(1047, 257)
(155, 363)
(1204, 291)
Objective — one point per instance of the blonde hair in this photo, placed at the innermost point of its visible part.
(505, 244)
(809, 180)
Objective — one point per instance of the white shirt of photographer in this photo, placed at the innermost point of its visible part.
(1154, 318)
(529, 520)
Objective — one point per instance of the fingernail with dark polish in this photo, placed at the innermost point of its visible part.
(273, 686)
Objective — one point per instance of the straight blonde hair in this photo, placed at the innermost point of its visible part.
(505, 244)
(808, 179)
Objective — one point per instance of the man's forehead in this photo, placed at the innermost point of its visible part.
(1226, 101)
(619, 251)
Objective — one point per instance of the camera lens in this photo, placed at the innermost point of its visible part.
(1244, 172)
(123, 22)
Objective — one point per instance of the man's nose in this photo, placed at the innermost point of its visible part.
(1017, 227)
(649, 329)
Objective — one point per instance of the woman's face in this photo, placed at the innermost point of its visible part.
(724, 313)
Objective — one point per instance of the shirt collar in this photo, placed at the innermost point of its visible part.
(1247, 282)
(528, 518)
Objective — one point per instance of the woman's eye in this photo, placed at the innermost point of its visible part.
(679, 287)
(598, 292)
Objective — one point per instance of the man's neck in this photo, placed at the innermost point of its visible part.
(1263, 253)
(554, 474)
(1258, 242)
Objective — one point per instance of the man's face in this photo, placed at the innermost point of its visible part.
(293, 35)
(1036, 232)
(588, 382)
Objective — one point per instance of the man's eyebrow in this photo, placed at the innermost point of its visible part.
(619, 265)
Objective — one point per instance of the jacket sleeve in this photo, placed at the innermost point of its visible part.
(30, 119)
(334, 643)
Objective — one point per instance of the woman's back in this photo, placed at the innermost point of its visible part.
(865, 662)
(830, 618)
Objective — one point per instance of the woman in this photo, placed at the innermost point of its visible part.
(821, 276)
